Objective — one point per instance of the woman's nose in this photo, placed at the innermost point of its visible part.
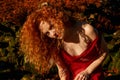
(52, 31)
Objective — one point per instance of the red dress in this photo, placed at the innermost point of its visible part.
(76, 64)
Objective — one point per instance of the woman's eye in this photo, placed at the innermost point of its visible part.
(51, 27)
(47, 33)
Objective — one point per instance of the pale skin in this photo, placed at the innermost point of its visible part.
(75, 46)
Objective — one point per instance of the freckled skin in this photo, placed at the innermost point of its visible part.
(49, 30)
(74, 48)
(72, 36)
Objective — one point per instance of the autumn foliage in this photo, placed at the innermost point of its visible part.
(16, 10)
(102, 14)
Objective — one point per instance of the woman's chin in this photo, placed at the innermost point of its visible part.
(59, 38)
(55, 37)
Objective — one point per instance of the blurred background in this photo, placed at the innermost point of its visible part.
(13, 13)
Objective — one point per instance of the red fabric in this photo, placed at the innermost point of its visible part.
(77, 64)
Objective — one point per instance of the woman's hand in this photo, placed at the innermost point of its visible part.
(82, 76)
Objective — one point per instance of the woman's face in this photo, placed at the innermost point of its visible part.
(51, 29)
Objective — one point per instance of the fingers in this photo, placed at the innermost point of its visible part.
(84, 78)
(81, 77)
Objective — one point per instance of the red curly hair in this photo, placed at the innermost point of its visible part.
(37, 47)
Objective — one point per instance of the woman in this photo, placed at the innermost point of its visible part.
(75, 47)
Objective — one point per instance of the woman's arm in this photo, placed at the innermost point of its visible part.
(84, 75)
(90, 32)
(62, 71)
(98, 61)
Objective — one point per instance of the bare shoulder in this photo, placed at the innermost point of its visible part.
(90, 31)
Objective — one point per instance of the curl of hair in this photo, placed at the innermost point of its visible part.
(37, 47)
